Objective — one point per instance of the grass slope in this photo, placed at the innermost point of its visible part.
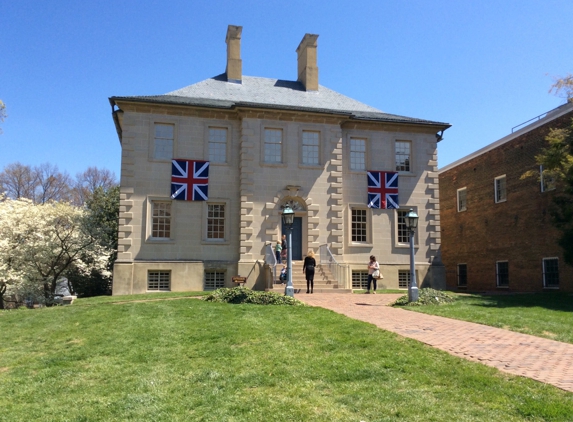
(190, 360)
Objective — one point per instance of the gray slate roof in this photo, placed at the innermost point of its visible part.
(275, 94)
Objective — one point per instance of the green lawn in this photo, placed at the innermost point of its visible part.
(547, 314)
(190, 360)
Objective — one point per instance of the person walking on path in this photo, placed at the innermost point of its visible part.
(284, 247)
(373, 273)
(308, 270)
(278, 249)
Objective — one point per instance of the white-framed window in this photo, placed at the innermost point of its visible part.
(401, 230)
(500, 189)
(214, 280)
(547, 182)
(310, 148)
(462, 199)
(403, 279)
(359, 225)
(359, 279)
(462, 275)
(218, 144)
(502, 273)
(160, 219)
(163, 141)
(403, 156)
(159, 280)
(551, 273)
(273, 145)
(357, 154)
(215, 221)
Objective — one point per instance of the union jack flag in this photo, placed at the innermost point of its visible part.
(382, 189)
(189, 180)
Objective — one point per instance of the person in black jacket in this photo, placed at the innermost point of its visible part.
(308, 270)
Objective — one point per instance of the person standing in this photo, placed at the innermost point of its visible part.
(278, 249)
(373, 273)
(284, 247)
(308, 270)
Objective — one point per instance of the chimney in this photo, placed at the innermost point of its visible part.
(307, 68)
(234, 63)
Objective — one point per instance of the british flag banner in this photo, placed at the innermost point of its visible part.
(190, 180)
(383, 189)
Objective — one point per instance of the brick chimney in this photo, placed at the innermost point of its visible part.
(307, 68)
(234, 63)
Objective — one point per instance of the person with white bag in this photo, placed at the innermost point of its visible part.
(373, 273)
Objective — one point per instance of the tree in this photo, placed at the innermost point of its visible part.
(18, 181)
(91, 179)
(564, 86)
(41, 184)
(2, 113)
(42, 243)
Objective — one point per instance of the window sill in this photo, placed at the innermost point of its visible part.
(551, 288)
(215, 242)
(501, 201)
(502, 287)
(405, 246)
(464, 210)
(360, 245)
(406, 174)
(159, 240)
(276, 165)
(310, 166)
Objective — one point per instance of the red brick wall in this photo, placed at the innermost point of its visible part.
(518, 231)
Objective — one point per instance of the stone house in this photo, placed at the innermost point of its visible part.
(268, 143)
(497, 233)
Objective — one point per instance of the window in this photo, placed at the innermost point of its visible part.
(217, 145)
(161, 219)
(357, 154)
(462, 203)
(163, 145)
(359, 279)
(403, 279)
(547, 182)
(500, 189)
(359, 225)
(310, 148)
(403, 232)
(216, 221)
(502, 273)
(462, 275)
(551, 272)
(214, 280)
(273, 145)
(159, 280)
(403, 155)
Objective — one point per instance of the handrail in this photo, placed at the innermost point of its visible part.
(271, 261)
(337, 270)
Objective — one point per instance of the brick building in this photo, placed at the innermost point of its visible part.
(497, 233)
(269, 143)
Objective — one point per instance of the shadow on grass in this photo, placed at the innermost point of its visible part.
(557, 301)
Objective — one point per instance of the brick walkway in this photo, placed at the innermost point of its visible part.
(541, 359)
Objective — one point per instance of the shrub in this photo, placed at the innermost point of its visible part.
(246, 295)
(427, 297)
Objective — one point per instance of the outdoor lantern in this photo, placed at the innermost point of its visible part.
(288, 216)
(411, 220)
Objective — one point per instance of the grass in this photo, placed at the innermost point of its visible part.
(546, 314)
(191, 360)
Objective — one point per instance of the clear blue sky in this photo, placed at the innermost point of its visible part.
(483, 66)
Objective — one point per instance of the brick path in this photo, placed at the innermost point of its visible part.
(541, 359)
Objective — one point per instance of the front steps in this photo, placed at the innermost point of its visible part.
(324, 282)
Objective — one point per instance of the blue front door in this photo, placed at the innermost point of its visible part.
(296, 238)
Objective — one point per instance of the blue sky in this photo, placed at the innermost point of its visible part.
(483, 66)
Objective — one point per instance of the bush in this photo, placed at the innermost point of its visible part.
(245, 295)
(427, 297)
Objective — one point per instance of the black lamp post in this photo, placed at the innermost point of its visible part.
(411, 220)
(288, 220)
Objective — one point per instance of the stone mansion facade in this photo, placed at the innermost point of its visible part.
(207, 169)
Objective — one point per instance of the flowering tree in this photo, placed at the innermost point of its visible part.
(40, 244)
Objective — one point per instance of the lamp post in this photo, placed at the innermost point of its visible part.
(288, 220)
(411, 220)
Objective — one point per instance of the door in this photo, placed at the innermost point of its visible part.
(296, 238)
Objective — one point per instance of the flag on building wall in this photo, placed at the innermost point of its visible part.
(189, 180)
(382, 189)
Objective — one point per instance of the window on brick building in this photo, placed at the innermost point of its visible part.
(500, 189)
(403, 279)
(359, 225)
(214, 280)
(359, 279)
(310, 148)
(163, 141)
(357, 154)
(547, 182)
(462, 275)
(160, 219)
(462, 201)
(217, 145)
(551, 272)
(159, 280)
(502, 273)
(403, 156)
(273, 145)
(215, 221)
